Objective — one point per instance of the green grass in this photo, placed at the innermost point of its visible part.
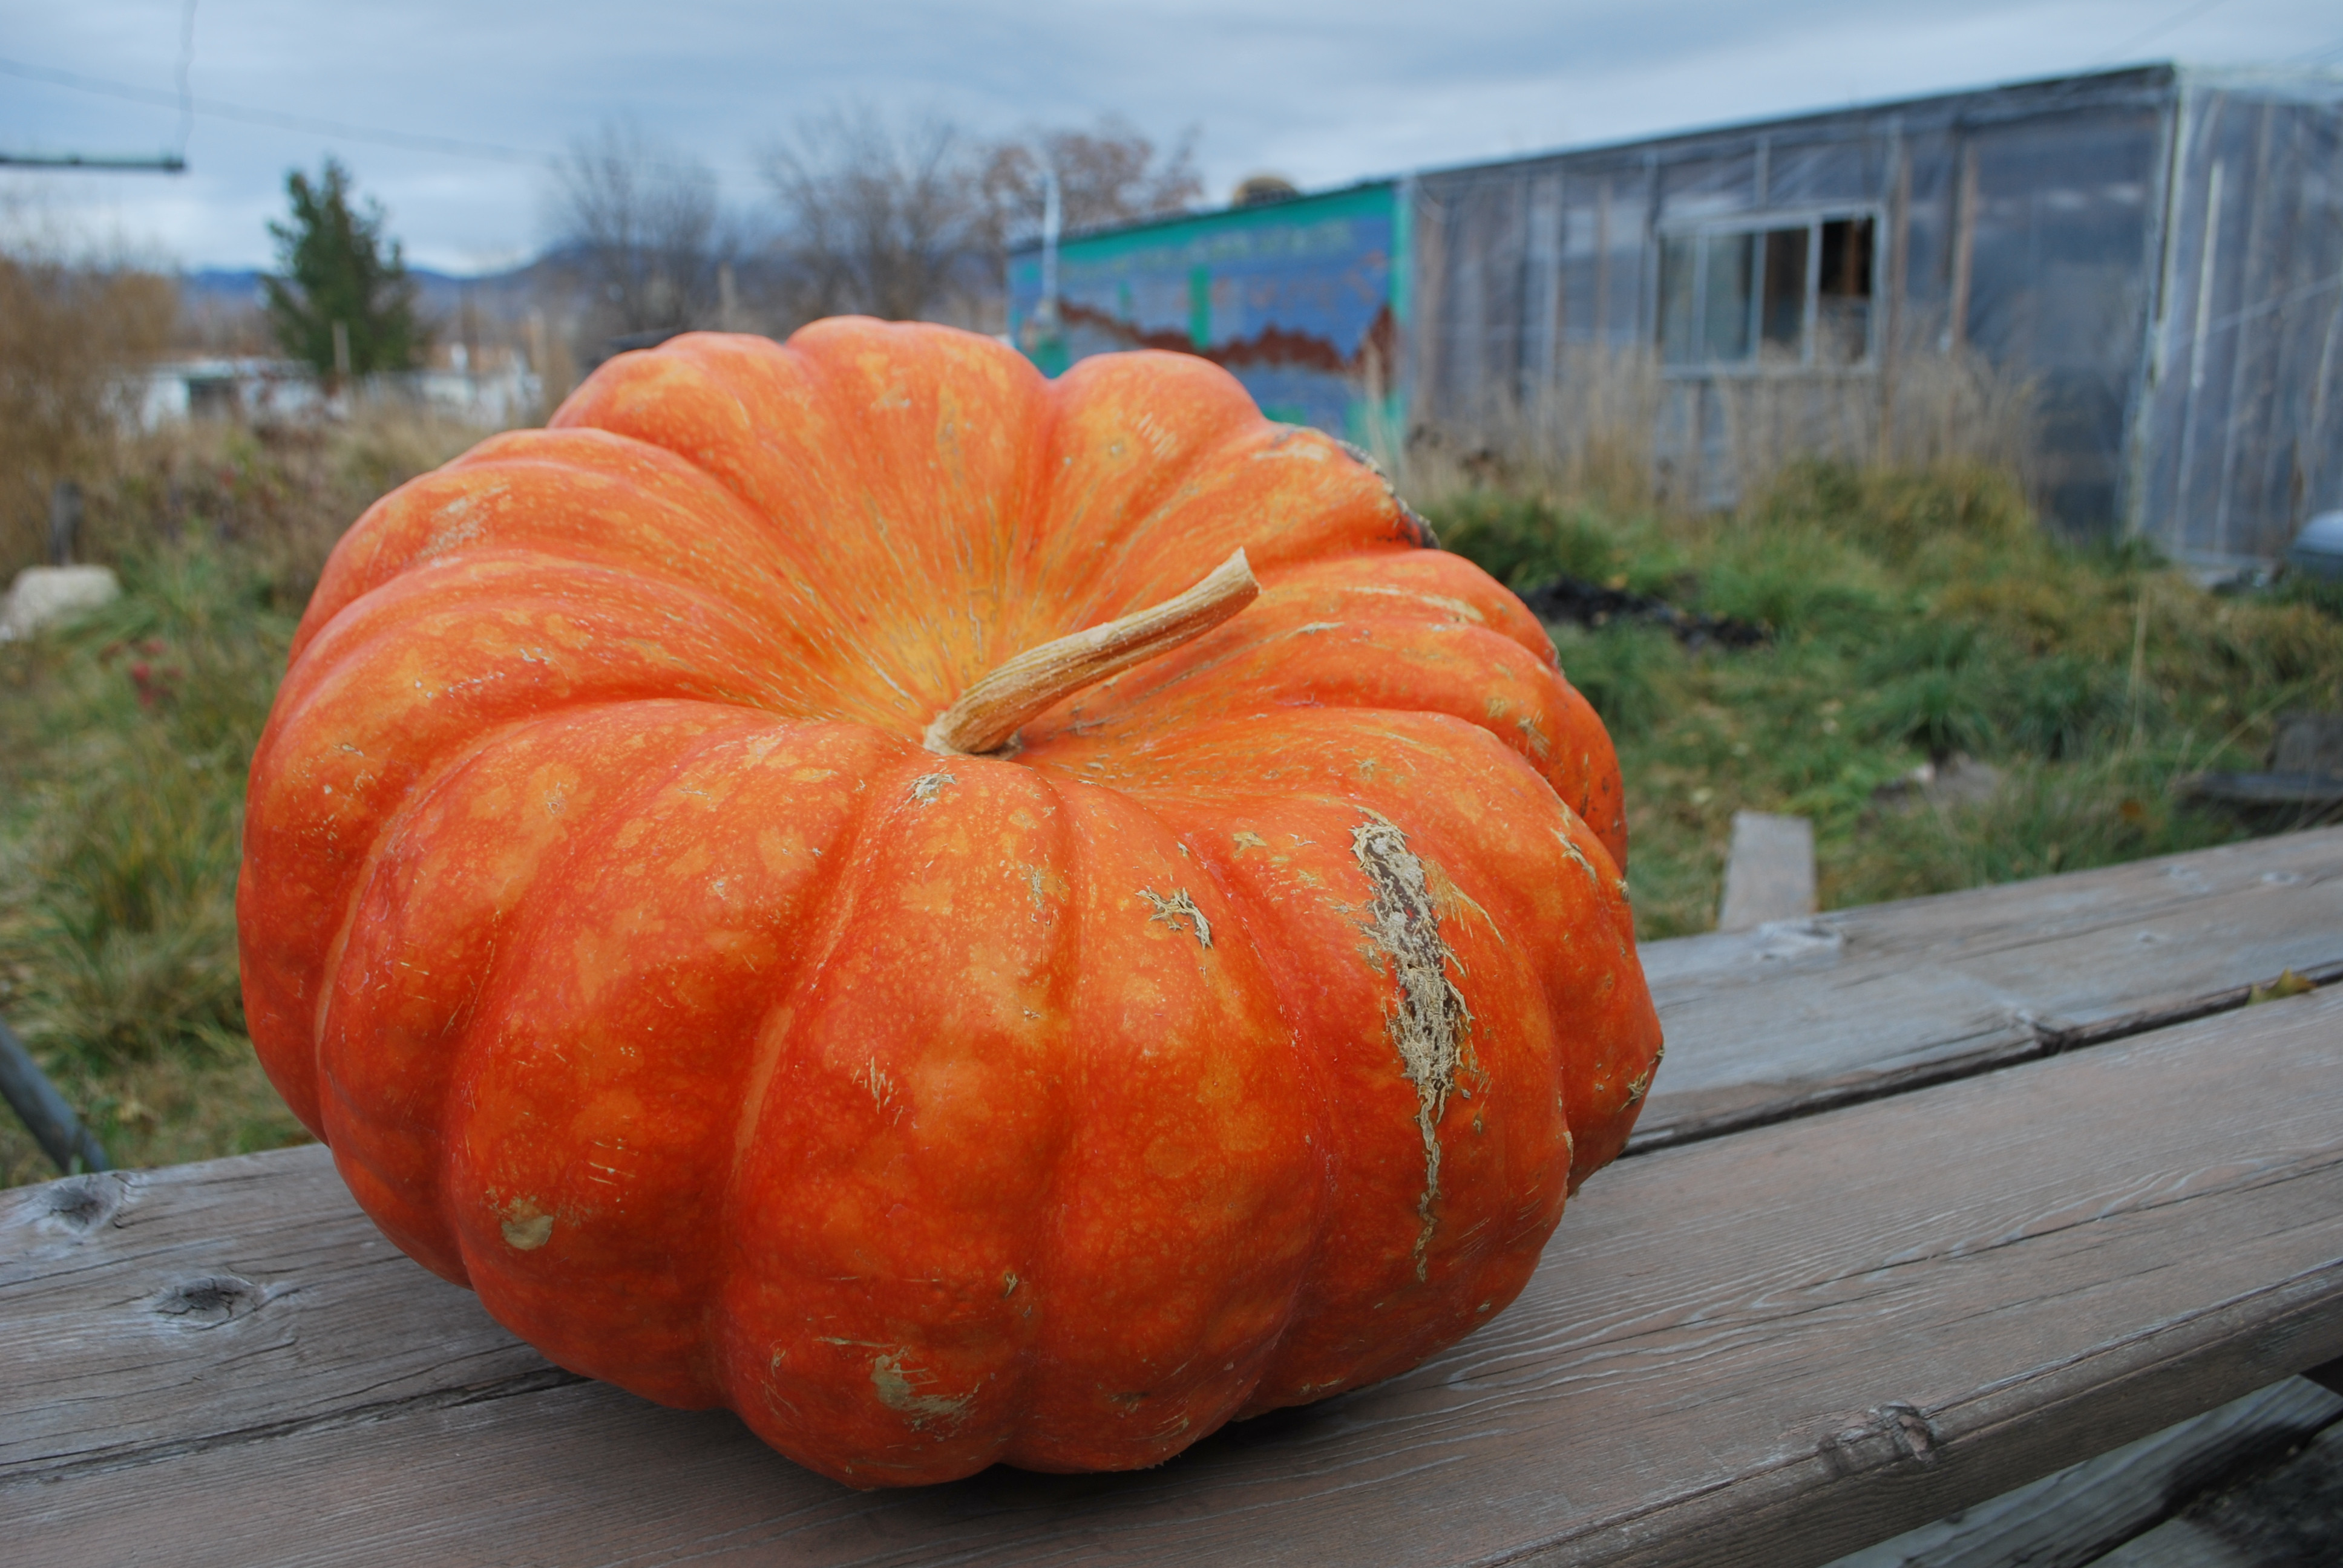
(1915, 616)
(127, 735)
(124, 740)
(1912, 614)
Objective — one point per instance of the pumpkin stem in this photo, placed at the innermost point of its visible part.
(988, 713)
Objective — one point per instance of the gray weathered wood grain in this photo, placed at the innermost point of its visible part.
(1863, 1001)
(1771, 1349)
(142, 1309)
(2288, 1515)
(2085, 1510)
(1769, 872)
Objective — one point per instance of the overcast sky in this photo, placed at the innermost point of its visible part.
(1323, 93)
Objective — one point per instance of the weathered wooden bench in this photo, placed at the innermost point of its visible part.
(1932, 1199)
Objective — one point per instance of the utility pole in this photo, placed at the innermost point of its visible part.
(1046, 336)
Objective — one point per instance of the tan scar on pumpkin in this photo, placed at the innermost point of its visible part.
(1426, 1024)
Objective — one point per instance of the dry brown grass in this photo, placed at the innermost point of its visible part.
(278, 494)
(1592, 437)
(68, 331)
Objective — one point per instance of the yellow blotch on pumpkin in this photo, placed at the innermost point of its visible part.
(526, 1227)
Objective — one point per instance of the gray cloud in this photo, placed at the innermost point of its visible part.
(1323, 92)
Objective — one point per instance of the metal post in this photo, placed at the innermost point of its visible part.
(44, 1112)
(65, 521)
(1052, 221)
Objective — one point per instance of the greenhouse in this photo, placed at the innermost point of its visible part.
(2130, 285)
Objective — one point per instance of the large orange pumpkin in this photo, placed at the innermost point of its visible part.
(1228, 1039)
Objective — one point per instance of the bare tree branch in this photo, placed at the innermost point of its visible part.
(876, 221)
(1108, 175)
(640, 223)
(916, 223)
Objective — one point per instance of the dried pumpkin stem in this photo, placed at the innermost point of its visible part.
(989, 712)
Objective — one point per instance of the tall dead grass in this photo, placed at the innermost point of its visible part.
(68, 328)
(278, 495)
(1612, 430)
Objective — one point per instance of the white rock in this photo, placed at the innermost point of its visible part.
(45, 595)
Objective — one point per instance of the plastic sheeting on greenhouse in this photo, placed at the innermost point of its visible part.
(2132, 282)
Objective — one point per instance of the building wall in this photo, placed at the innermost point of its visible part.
(2016, 224)
(1301, 300)
(2238, 440)
(2130, 282)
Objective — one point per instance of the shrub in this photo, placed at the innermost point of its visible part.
(1522, 540)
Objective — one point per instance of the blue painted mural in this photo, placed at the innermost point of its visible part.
(1301, 300)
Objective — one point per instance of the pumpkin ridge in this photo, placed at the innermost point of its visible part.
(802, 372)
(478, 590)
(1246, 673)
(832, 909)
(1041, 1273)
(1171, 1097)
(1176, 547)
(318, 732)
(413, 524)
(1074, 398)
(682, 729)
(544, 1049)
(956, 1079)
(1260, 926)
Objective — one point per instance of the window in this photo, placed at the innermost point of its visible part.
(1758, 294)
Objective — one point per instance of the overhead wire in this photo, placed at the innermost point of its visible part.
(452, 146)
(189, 105)
(2187, 14)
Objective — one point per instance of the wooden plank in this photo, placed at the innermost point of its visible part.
(1769, 873)
(1859, 1002)
(2287, 1516)
(133, 1303)
(1771, 1349)
(2088, 1510)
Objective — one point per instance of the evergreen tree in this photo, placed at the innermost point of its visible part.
(337, 266)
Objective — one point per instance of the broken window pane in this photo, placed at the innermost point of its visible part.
(1843, 292)
(1787, 294)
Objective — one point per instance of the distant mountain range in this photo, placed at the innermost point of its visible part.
(503, 294)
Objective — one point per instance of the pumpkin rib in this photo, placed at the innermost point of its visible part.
(333, 723)
(562, 487)
(487, 586)
(1071, 561)
(677, 398)
(1363, 1280)
(458, 926)
(1467, 672)
(1278, 524)
(1192, 1097)
(1416, 585)
(926, 1095)
(583, 1132)
(1227, 762)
